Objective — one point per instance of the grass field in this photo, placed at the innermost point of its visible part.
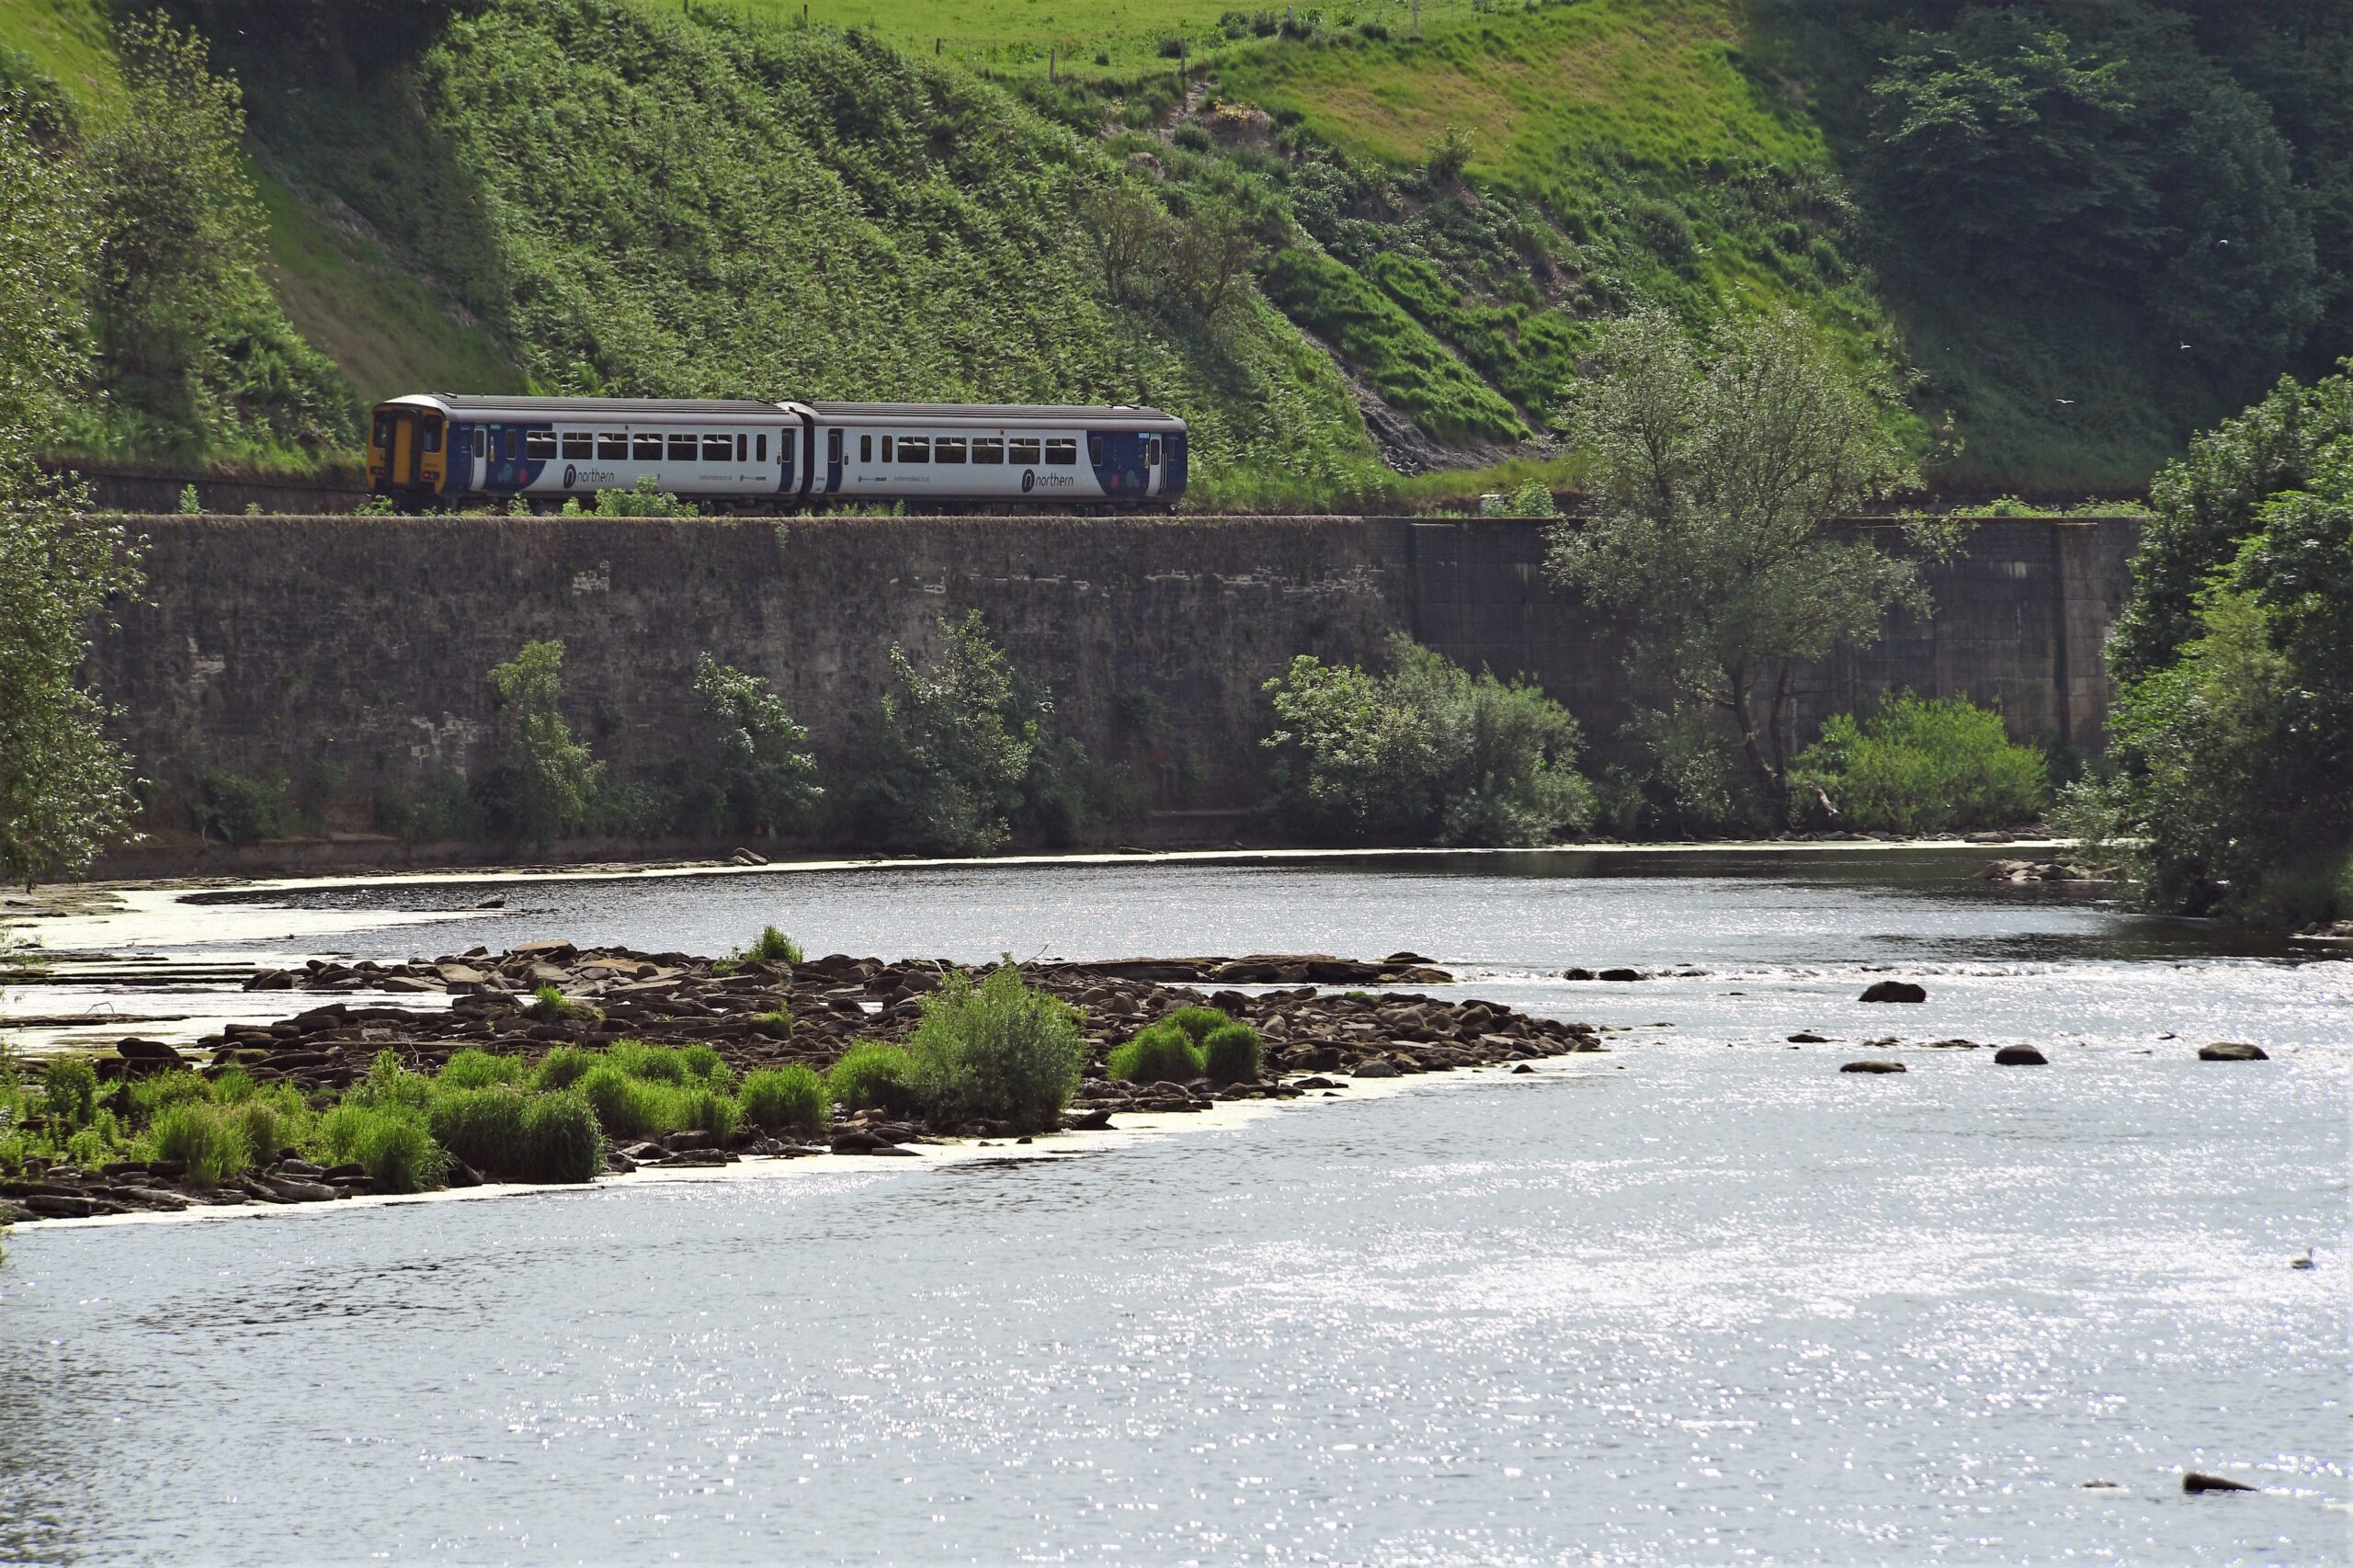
(1017, 37)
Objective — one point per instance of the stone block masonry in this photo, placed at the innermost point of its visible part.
(353, 652)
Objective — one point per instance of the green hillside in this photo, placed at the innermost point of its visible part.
(897, 199)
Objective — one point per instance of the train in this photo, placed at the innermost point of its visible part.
(448, 451)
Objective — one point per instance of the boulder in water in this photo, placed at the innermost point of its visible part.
(1894, 991)
(2231, 1050)
(1873, 1067)
(2020, 1056)
(2199, 1481)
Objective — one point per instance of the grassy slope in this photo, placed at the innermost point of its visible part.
(756, 210)
(339, 289)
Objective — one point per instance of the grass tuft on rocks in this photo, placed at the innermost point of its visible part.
(389, 1140)
(513, 1135)
(997, 1051)
(205, 1138)
(1197, 1022)
(70, 1090)
(786, 1099)
(475, 1068)
(871, 1075)
(772, 946)
(563, 1066)
(1159, 1053)
(1232, 1054)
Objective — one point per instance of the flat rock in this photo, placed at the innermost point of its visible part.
(2231, 1050)
(1873, 1067)
(1894, 991)
(1379, 1067)
(1807, 1036)
(1620, 974)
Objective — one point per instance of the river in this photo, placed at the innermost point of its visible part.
(1700, 1299)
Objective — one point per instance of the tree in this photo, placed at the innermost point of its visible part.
(190, 338)
(2203, 505)
(768, 783)
(546, 780)
(1130, 235)
(1208, 255)
(62, 783)
(1716, 479)
(941, 758)
(2233, 728)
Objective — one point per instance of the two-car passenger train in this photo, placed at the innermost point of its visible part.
(449, 450)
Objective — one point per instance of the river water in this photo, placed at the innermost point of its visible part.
(1702, 1299)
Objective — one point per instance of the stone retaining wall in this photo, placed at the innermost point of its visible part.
(352, 652)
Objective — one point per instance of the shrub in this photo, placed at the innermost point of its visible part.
(1230, 1053)
(1172, 48)
(205, 1138)
(786, 1099)
(70, 1090)
(238, 810)
(1427, 754)
(645, 499)
(871, 1075)
(995, 1051)
(547, 780)
(1158, 1054)
(389, 1140)
(563, 1067)
(763, 779)
(1197, 1022)
(772, 946)
(473, 1069)
(1922, 765)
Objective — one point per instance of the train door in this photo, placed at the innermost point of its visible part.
(833, 459)
(400, 471)
(1151, 468)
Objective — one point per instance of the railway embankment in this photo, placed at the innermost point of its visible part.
(349, 654)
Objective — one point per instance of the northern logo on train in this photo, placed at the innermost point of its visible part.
(571, 476)
(1029, 480)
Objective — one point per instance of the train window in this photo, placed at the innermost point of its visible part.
(914, 449)
(1151, 452)
(947, 450)
(1094, 450)
(865, 448)
(743, 447)
(538, 445)
(832, 446)
(510, 446)
(645, 447)
(1019, 450)
(579, 444)
(761, 441)
(612, 445)
(1062, 450)
(481, 443)
(784, 446)
(719, 448)
(433, 435)
(988, 449)
(383, 432)
(682, 449)
(886, 449)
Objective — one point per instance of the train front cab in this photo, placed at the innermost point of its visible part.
(407, 452)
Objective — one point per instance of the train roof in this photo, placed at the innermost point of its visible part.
(578, 407)
(525, 406)
(1056, 412)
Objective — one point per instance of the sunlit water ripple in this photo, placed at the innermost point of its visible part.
(1702, 1299)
